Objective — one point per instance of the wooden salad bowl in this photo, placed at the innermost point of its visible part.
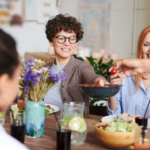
(113, 139)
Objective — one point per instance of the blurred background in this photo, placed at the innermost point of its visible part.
(111, 27)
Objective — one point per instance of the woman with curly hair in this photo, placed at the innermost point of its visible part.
(63, 32)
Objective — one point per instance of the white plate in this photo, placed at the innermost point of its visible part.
(108, 118)
(112, 117)
(55, 108)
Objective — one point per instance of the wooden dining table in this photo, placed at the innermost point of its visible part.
(48, 141)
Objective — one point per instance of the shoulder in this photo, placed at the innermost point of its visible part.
(13, 143)
(80, 63)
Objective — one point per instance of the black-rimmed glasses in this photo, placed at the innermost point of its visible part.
(61, 39)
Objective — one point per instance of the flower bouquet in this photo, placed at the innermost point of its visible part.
(36, 80)
(34, 83)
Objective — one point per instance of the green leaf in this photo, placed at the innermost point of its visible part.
(80, 58)
(93, 100)
(110, 63)
(91, 60)
(101, 104)
(99, 63)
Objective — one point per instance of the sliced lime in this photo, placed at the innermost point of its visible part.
(2, 114)
(77, 124)
(65, 122)
(83, 127)
(15, 112)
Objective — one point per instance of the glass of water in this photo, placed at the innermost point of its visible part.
(2, 117)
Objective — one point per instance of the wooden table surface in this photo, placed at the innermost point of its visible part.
(48, 141)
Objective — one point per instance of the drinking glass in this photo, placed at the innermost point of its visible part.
(75, 110)
(21, 104)
(2, 117)
(143, 143)
(139, 115)
(18, 126)
(63, 135)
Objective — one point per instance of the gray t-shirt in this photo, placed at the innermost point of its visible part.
(53, 96)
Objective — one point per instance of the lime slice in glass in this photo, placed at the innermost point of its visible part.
(77, 124)
(15, 112)
(2, 114)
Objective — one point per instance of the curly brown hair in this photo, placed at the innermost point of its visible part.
(63, 22)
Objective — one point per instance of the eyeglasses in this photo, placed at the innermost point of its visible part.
(61, 39)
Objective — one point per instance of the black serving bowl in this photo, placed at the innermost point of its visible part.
(100, 92)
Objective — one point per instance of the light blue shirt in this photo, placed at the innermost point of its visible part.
(127, 98)
(53, 96)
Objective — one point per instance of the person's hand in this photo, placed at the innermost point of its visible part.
(114, 79)
(128, 67)
(101, 81)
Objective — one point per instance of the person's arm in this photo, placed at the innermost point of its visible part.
(114, 79)
(114, 104)
(131, 67)
(89, 76)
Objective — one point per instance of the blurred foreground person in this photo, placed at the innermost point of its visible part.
(9, 74)
(136, 89)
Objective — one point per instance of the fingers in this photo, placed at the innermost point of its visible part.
(101, 82)
(113, 76)
(117, 65)
(117, 81)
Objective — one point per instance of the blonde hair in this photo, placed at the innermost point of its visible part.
(139, 53)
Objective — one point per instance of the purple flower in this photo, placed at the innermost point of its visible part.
(31, 59)
(26, 88)
(31, 78)
(63, 76)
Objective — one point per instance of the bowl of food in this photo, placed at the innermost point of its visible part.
(97, 91)
(124, 117)
(116, 134)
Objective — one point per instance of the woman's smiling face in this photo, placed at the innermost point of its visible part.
(66, 49)
(146, 47)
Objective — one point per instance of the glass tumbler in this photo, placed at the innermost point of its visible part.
(143, 143)
(63, 135)
(139, 115)
(18, 126)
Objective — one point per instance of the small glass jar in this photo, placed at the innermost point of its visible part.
(18, 126)
(2, 117)
(143, 143)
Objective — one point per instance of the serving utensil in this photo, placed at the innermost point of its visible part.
(96, 121)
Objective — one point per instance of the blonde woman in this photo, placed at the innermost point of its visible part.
(136, 89)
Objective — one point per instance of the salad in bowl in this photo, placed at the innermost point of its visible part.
(117, 134)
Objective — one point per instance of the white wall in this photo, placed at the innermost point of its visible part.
(123, 15)
(31, 38)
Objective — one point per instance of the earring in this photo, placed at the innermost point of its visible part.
(3, 96)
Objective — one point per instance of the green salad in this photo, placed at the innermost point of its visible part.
(118, 127)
